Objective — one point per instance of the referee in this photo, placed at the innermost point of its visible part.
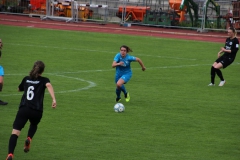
(31, 106)
(230, 50)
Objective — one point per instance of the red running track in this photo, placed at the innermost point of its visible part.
(26, 21)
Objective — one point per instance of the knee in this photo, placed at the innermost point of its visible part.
(216, 68)
(1, 86)
(16, 132)
(118, 85)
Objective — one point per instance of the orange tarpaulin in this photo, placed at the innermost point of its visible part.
(175, 4)
(137, 12)
(36, 4)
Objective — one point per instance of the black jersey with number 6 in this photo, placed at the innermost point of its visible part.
(33, 92)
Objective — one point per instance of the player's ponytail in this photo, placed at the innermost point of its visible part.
(128, 49)
(37, 69)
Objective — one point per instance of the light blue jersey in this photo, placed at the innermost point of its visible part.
(124, 71)
(1, 71)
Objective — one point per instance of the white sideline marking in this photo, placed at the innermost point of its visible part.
(91, 84)
(77, 49)
(107, 70)
(90, 50)
(167, 57)
(161, 67)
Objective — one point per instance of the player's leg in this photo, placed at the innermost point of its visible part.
(35, 118)
(19, 122)
(126, 78)
(1, 84)
(217, 67)
(212, 73)
(119, 84)
(118, 90)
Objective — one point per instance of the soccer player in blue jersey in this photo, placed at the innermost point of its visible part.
(31, 106)
(122, 62)
(1, 74)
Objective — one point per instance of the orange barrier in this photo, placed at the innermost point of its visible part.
(175, 4)
(135, 12)
(36, 4)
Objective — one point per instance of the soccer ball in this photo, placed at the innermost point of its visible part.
(119, 107)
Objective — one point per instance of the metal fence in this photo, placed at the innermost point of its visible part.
(201, 15)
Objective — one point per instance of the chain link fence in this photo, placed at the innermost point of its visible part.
(201, 15)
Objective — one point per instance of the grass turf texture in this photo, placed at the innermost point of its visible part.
(172, 115)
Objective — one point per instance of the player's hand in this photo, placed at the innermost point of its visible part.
(143, 68)
(54, 104)
(223, 49)
(121, 63)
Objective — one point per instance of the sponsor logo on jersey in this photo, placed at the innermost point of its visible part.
(32, 82)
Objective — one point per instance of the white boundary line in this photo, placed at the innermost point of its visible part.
(91, 85)
(90, 50)
(108, 70)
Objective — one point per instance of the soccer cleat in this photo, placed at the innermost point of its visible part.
(9, 157)
(118, 99)
(211, 84)
(222, 83)
(127, 97)
(3, 103)
(27, 144)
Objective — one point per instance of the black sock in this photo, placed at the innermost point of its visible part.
(213, 73)
(219, 73)
(12, 143)
(32, 130)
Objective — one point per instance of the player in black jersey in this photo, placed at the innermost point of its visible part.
(230, 50)
(31, 106)
(1, 74)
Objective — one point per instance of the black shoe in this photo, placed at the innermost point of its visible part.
(3, 103)
(27, 145)
(118, 99)
(125, 95)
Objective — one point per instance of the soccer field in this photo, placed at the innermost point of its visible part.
(172, 114)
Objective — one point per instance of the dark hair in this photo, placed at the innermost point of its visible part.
(233, 30)
(127, 48)
(37, 69)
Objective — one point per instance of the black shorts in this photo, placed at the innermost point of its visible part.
(23, 115)
(226, 61)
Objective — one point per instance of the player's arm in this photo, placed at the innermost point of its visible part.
(21, 85)
(115, 64)
(51, 92)
(1, 45)
(225, 50)
(234, 48)
(141, 63)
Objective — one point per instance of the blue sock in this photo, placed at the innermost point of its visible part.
(118, 92)
(123, 89)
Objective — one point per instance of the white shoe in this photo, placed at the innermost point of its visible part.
(211, 84)
(222, 83)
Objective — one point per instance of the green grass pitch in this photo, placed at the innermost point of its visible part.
(172, 115)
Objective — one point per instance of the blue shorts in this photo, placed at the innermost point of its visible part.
(125, 77)
(1, 71)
